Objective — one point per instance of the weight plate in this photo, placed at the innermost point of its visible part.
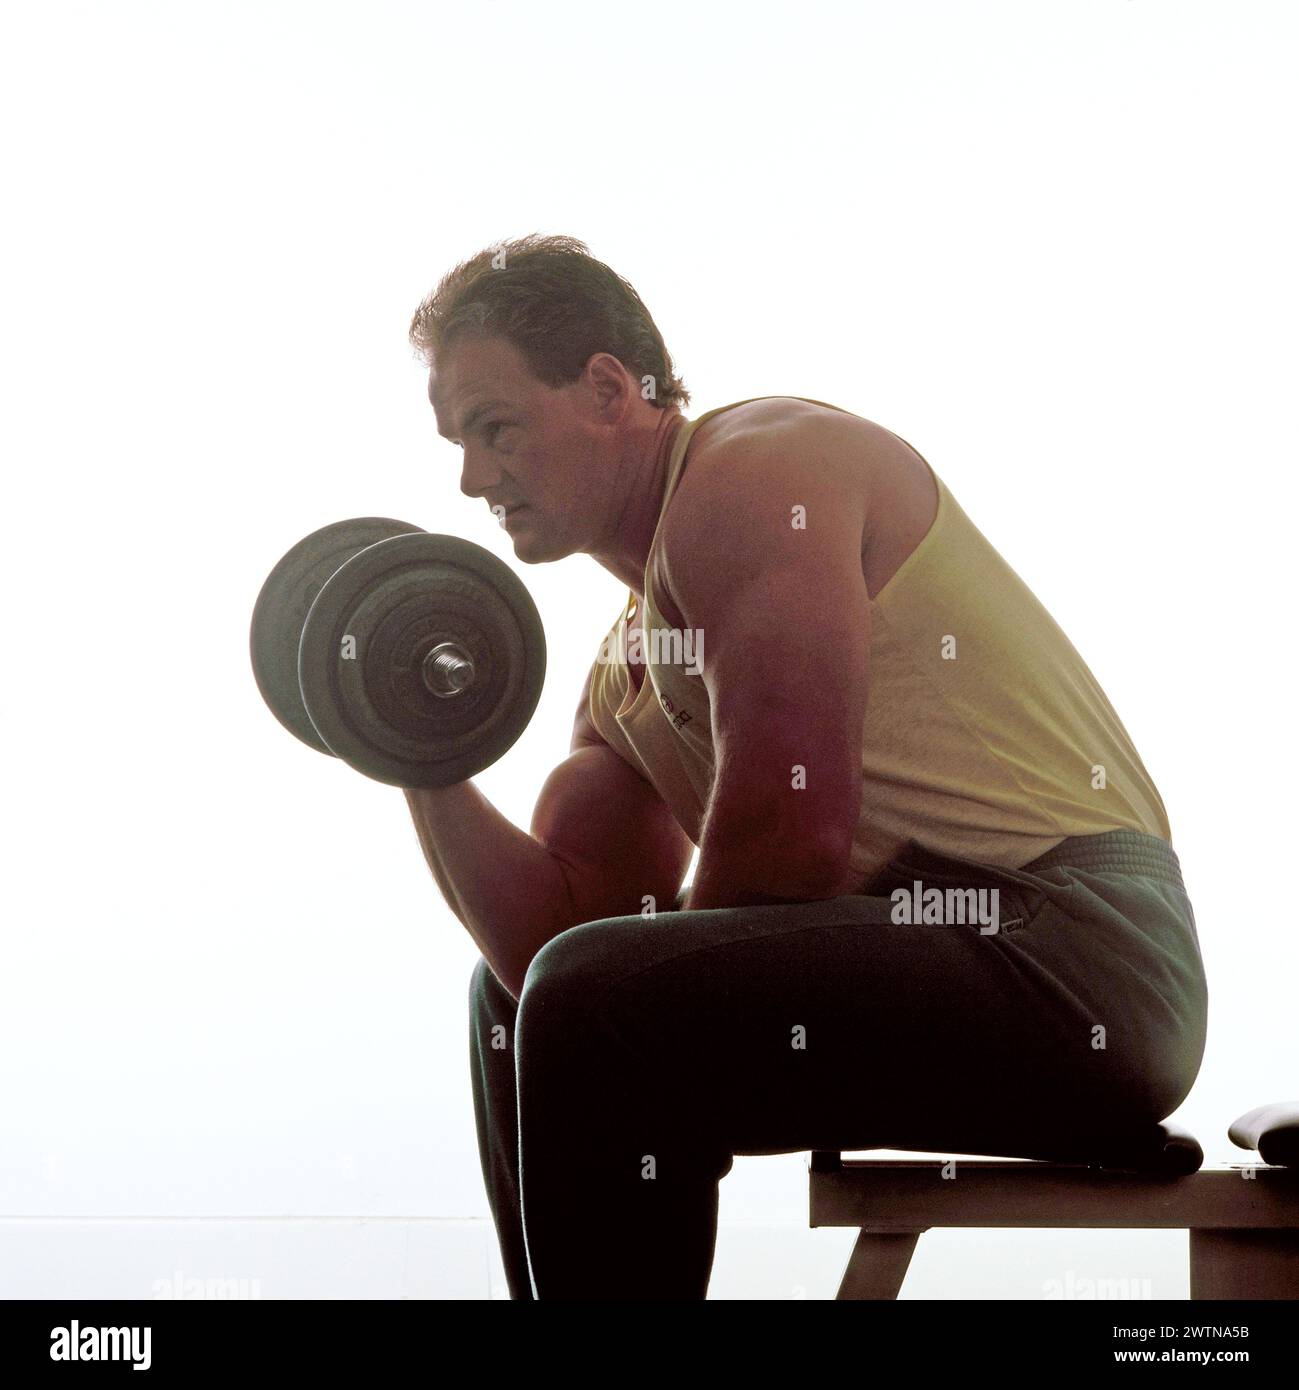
(367, 639)
(283, 604)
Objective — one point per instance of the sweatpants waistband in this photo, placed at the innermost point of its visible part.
(1122, 851)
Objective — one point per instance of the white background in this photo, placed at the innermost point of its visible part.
(1051, 244)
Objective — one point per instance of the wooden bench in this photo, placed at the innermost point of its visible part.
(1243, 1219)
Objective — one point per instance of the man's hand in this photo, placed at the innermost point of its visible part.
(764, 556)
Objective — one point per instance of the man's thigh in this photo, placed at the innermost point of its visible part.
(828, 1024)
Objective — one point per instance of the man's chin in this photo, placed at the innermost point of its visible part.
(527, 547)
(533, 550)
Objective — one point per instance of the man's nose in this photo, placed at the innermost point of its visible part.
(475, 476)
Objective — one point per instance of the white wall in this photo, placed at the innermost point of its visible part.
(1064, 233)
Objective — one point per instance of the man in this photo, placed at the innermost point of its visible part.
(828, 681)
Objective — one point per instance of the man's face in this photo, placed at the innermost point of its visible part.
(532, 452)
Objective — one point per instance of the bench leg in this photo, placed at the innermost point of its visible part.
(878, 1264)
(1245, 1264)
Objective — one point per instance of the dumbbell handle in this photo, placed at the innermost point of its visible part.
(448, 669)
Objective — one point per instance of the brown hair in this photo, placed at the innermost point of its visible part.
(557, 304)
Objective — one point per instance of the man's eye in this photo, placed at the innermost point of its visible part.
(491, 430)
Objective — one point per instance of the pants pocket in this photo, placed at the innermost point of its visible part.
(1021, 897)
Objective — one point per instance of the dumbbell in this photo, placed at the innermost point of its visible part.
(417, 659)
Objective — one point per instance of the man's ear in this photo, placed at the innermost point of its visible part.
(609, 384)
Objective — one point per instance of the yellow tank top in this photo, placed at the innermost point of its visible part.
(996, 755)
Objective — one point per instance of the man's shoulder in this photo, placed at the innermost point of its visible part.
(772, 439)
(754, 421)
(759, 454)
(761, 468)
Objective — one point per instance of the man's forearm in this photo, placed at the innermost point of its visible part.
(743, 865)
(508, 891)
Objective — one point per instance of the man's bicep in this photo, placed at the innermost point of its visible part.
(613, 836)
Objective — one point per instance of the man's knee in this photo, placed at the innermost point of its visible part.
(578, 964)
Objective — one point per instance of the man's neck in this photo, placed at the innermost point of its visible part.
(645, 474)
